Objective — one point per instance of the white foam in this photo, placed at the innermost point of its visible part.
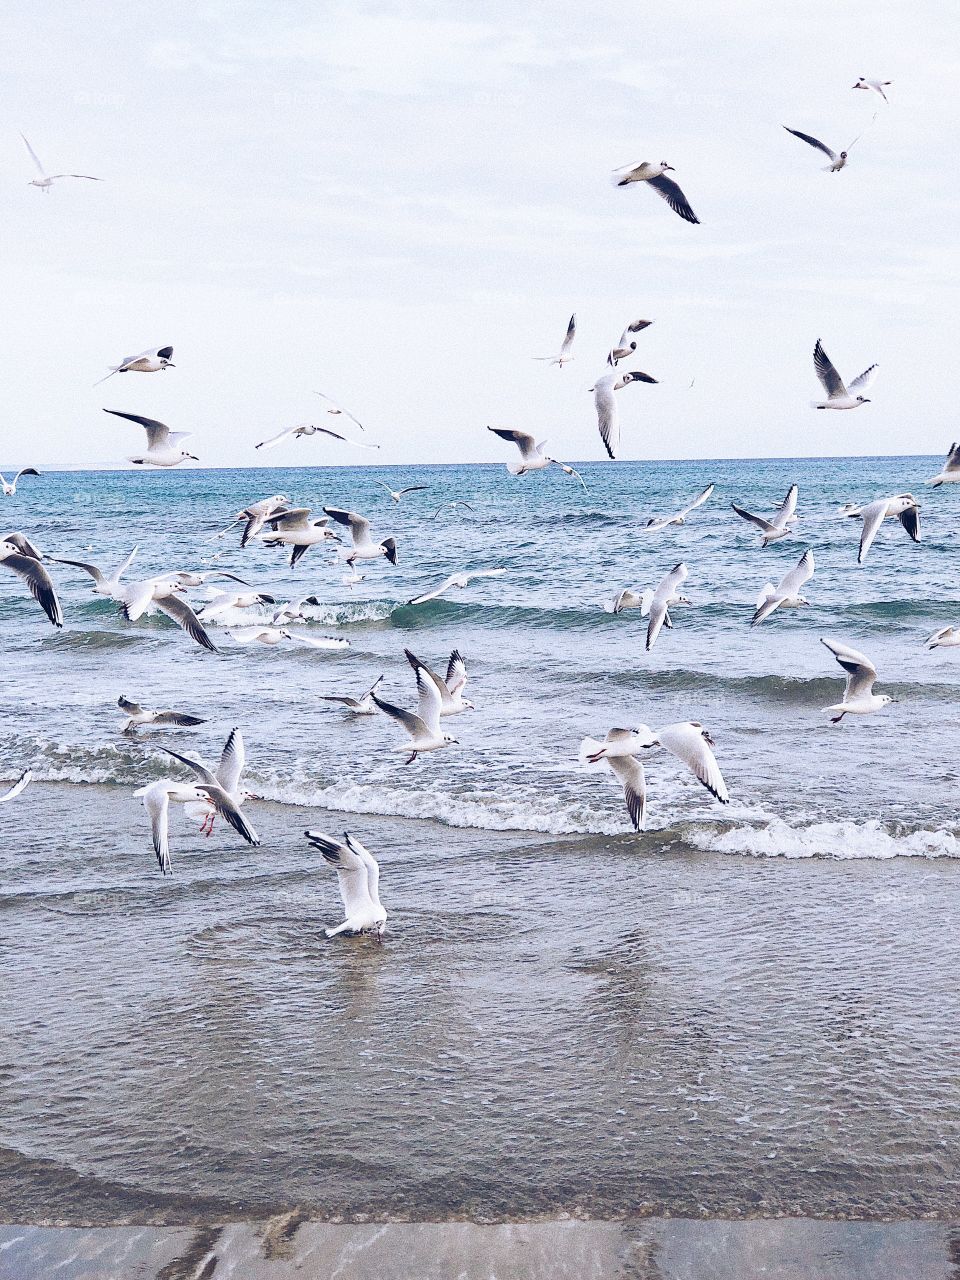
(779, 839)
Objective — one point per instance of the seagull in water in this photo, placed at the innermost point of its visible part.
(564, 356)
(138, 716)
(626, 344)
(904, 507)
(532, 457)
(358, 875)
(874, 86)
(608, 415)
(456, 581)
(362, 706)
(837, 162)
(787, 593)
(423, 726)
(18, 554)
(451, 686)
(45, 182)
(364, 548)
(779, 526)
(655, 174)
(838, 397)
(17, 787)
(858, 696)
(688, 741)
(397, 494)
(9, 487)
(308, 429)
(656, 523)
(950, 473)
(150, 361)
(162, 443)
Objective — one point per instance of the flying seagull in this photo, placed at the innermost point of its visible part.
(837, 162)
(656, 523)
(362, 706)
(655, 174)
(162, 593)
(874, 86)
(450, 686)
(308, 429)
(221, 790)
(138, 716)
(17, 787)
(787, 593)
(452, 506)
(364, 548)
(423, 726)
(358, 875)
(150, 361)
(456, 581)
(626, 345)
(951, 469)
(904, 507)
(9, 487)
(778, 527)
(336, 409)
(222, 602)
(945, 638)
(18, 554)
(608, 415)
(564, 356)
(858, 696)
(838, 396)
(532, 456)
(295, 529)
(397, 494)
(254, 515)
(161, 443)
(45, 182)
(103, 584)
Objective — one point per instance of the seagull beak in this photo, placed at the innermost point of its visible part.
(670, 167)
(708, 740)
(193, 456)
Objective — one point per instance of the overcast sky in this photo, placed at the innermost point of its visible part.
(400, 206)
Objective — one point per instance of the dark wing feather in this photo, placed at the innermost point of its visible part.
(674, 197)
(184, 617)
(814, 142)
(910, 519)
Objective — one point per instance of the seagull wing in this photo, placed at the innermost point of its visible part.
(432, 690)
(698, 501)
(232, 759)
(687, 743)
(337, 409)
(129, 708)
(184, 617)
(40, 583)
(352, 877)
(456, 677)
(359, 444)
(229, 810)
(176, 718)
(873, 516)
(658, 614)
(205, 775)
(863, 380)
(275, 440)
(792, 581)
(288, 521)
(122, 568)
(861, 673)
(629, 770)
(413, 488)
(92, 569)
(437, 591)
(787, 507)
(524, 442)
(156, 801)
(674, 197)
(359, 526)
(157, 432)
(17, 787)
(910, 519)
(831, 380)
(412, 723)
(814, 142)
(608, 417)
(570, 334)
(34, 157)
(25, 471)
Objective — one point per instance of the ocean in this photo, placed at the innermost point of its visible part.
(747, 1009)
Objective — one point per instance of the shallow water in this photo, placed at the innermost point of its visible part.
(748, 1009)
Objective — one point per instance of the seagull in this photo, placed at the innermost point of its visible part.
(837, 162)
(951, 469)
(254, 515)
(18, 554)
(608, 417)
(655, 174)
(157, 797)
(9, 487)
(628, 599)
(362, 706)
(195, 578)
(458, 502)
(138, 716)
(294, 528)
(315, 642)
(627, 345)
(945, 638)
(276, 635)
(532, 457)
(655, 524)
(364, 548)
(564, 356)
(45, 182)
(787, 592)
(874, 86)
(783, 518)
(424, 725)
(904, 506)
(858, 696)
(221, 790)
(336, 409)
(222, 602)
(456, 581)
(451, 686)
(17, 787)
(688, 741)
(102, 585)
(657, 603)
(161, 443)
(160, 593)
(292, 611)
(838, 397)
(358, 875)
(308, 429)
(397, 494)
(150, 361)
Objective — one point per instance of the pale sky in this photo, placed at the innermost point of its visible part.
(401, 203)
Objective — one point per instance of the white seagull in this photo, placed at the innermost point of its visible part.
(397, 494)
(150, 361)
(103, 585)
(787, 593)
(655, 175)
(626, 345)
(162, 593)
(137, 716)
(456, 582)
(838, 396)
(17, 787)
(783, 518)
(532, 456)
(904, 507)
(858, 696)
(452, 506)
(364, 548)
(362, 706)
(950, 472)
(9, 487)
(254, 514)
(308, 429)
(563, 357)
(656, 523)
(605, 402)
(222, 602)
(423, 726)
(19, 555)
(295, 529)
(157, 797)
(220, 790)
(874, 86)
(837, 161)
(336, 409)
(450, 686)
(358, 876)
(657, 603)
(945, 638)
(45, 181)
(162, 443)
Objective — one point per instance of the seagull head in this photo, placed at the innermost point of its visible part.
(863, 399)
(885, 699)
(664, 167)
(843, 155)
(448, 741)
(192, 456)
(704, 733)
(471, 706)
(246, 795)
(166, 364)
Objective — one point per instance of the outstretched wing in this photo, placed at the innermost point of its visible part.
(831, 380)
(630, 772)
(674, 197)
(687, 743)
(157, 432)
(814, 142)
(34, 157)
(910, 519)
